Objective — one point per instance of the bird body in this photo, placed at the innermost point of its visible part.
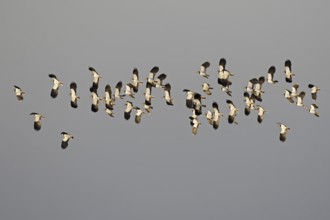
(65, 140)
(207, 89)
(203, 69)
(313, 110)
(270, 75)
(167, 96)
(73, 95)
(56, 85)
(288, 71)
(314, 91)
(283, 132)
(37, 120)
(19, 93)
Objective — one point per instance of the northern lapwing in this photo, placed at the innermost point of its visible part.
(56, 85)
(19, 93)
(73, 95)
(65, 140)
(283, 132)
(314, 91)
(288, 71)
(270, 75)
(37, 120)
(203, 69)
(232, 112)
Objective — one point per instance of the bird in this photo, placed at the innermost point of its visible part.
(197, 103)
(151, 75)
(314, 91)
(129, 90)
(56, 85)
(108, 99)
(118, 87)
(288, 71)
(223, 76)
(95, 99)
(232, 112)
(167, 96)
(65, 140)
(216, 115)
(300, 99)
(96, 77)
(189, 98)
(203, 69)
(19, 93)
(207, 89)
(209, 117)
(313, 110)
(249, 103)
(135, 80)
(73, 95)
(138, 114)
(270, 75)
(195, 124)
(261, 113)
(158, 83)
(147, 94)
(283, 132)
(37, 120)
(148, 108)
(288, 95)
(128, 110)
(294, 90)
(257, 88)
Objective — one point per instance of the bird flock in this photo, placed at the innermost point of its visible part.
(252, 95)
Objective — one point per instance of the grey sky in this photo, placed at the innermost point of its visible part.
(111, 170)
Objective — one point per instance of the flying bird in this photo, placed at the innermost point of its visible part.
(313, 110)
(73, 95)
(65, 140)
(167, 96)
(109, 101)
(283, 132)
(189, 98)
(56, 85)
(257, 88)
(223, 76)
(128, 110)
(203, 69)
(207, 89)
(135, 80)
(151, 75)
(294, 90)
(300, 99)
(118, 90)
(138, 114)
(19, 93)
(37, 120)
(96, 77)
(232, 112)
(158, 83)
(288, 71)
(270, 75)
(129, 90)
(216, 115)
(249, 103)
(261, 113)
(288, 95)
(95, 99)
(314, 91)
(195, 124)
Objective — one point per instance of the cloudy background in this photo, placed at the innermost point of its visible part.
(115, 169)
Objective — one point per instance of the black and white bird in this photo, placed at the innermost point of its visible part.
(138, 114)
(223, 76)
(19, 93)
(300, 99)
(109, 101)
(189, 98)
(216, 115)
(207, 89)
(56, 85)
(232, 112)
(167, 95)
(147, 94)
(294, 90)
(128, 110)
(288, 71)
(314, 90)
(95, 99)
(96, 77)
(209, 117)
(158, 83)
(257, 88)
(283, 132)
(118, 90)
(261, 113)
(288, 95)
(313, 110)
(73, 95)
(135, 80)
(151, 75)
(270, 75)
(249, 103)
(197, 103)
(203, 69)
(37, 120)
(65, 140)
(194, 122)
(129, 90)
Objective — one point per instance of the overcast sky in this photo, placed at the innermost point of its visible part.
(116, 169)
